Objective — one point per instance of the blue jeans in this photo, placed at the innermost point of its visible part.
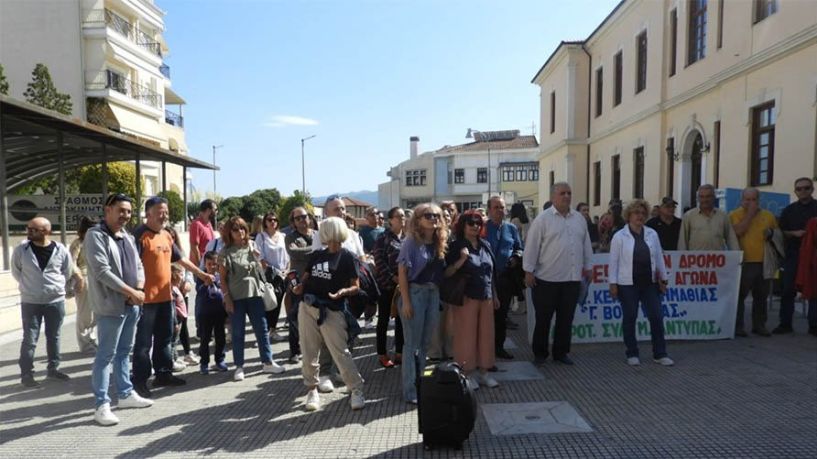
(155, 329)
(33, 315)
(417, 331)
(253, 307)
(115, 335)
(650, 299)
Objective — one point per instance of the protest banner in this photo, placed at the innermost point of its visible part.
(700, 303)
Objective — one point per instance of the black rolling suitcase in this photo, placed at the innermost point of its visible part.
(447, 408)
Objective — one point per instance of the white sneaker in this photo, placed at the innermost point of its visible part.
(276, 337)
(179, 365)
(134, 400)
(369, 324)
(238, 375)
(326, 385)
(633, 361)
(104, 417)
(313, 400)
(472, 383)
(273, 367)
(487, 380)
(665, 361)
(191, 359)
(357, 400)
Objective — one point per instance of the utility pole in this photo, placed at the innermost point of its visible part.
(214, 171)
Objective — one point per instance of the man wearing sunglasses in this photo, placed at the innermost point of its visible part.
(793, 222)
(507, 246)
(41, 268)
(557, 255)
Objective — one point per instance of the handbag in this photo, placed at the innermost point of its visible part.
(266, 288)
(452, 289)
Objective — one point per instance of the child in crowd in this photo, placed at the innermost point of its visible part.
(210, 303)
(180, 332)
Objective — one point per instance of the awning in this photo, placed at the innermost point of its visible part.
(171, 98)
(137, 124)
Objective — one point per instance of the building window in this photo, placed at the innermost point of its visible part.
(416, 177)
(638, 173)
(533, 173)
(552, 178)
(553, 112)
(617, 70)
(507, 174)
(696, 36)
(482, 175)
(615, 190)
(763, 122)
(597, 183)
(764, 9)
(720, 24)
(673, 44)
(641, 62)
(599, 90)
(670, 165)
(459, 175)
(521, 174)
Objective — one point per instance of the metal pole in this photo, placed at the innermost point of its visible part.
(303, 170)
(164, 176)
(138, 204)
(184, 181)
(4, 205)
(63, 219)
(104, 171)
(489, 173)
(214, 171)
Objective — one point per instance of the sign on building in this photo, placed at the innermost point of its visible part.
(24, 208)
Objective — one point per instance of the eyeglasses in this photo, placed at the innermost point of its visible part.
(239, 229)
(33, 230)
(118, 197)
(298, 218)
(431, 216)
(474, 222)
(802, 188)
(272, 219)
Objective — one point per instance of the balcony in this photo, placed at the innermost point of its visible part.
(164, 69)
(124, 28)
(174, 119)
(119, 83)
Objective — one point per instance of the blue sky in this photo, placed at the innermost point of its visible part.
(363, 75)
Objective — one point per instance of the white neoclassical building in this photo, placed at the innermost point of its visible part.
(668, 94)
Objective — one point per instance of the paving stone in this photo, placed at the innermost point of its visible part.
(533, 418)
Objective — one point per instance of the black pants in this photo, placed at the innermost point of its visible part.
(504, 290)
(272, 316)
(549, 298)
(751, 280)
(383, 315)
(292, 325)
(212, 325)
(184, 334)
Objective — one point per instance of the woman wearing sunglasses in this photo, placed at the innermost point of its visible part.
(474, 347)
(385, 253)
(420, 267)
(240, 281)
(275, 260)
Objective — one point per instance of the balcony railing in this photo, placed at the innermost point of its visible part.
(121, 25)
(119, 83)
(164, 69)
(174, 119)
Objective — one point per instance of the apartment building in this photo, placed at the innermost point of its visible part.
(108, 55)
(496, 162)
(668, 94)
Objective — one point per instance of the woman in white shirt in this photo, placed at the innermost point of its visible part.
(637, 274)
(274, 258)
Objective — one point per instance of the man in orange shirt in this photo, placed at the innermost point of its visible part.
(751, 224)
(157, 251)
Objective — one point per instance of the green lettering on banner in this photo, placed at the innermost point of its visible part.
(643, 328)
(608, 332)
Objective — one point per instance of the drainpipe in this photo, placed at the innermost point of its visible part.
(589, 87)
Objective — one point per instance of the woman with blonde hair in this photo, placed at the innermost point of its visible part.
(241, 276)
(420, 269)
(637, 274)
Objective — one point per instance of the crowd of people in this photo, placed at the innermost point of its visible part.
(447, 279)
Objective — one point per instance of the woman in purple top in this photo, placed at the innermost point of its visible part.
(420, 268)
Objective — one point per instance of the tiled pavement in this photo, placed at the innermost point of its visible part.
(754, 397)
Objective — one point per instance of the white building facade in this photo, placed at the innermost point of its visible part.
(108, 55)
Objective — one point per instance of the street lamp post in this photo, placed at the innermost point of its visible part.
(471, 134)
(214, 170)
(303, 164)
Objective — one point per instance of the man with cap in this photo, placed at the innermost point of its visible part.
(666, 224)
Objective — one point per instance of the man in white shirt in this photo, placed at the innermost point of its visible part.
(557, 255)
(334, 207)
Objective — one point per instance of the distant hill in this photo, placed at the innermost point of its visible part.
(366, 196)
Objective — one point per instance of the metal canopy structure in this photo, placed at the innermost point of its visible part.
(36, 143)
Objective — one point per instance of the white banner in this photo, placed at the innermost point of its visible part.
(700, 303)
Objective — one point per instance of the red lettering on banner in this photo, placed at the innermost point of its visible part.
(696, 278)
(667, 261)
(600, 274)
(704, 260)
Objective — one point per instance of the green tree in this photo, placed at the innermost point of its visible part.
(50, 184)
(121, 179)
(41, 91)
(4, 84)
(231, 207)
(296, 200)
(175, 205)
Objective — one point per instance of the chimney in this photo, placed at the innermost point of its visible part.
(414, 142)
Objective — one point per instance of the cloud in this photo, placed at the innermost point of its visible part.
(289, 120)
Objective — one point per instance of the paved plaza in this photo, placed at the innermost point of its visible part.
(753, 397)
